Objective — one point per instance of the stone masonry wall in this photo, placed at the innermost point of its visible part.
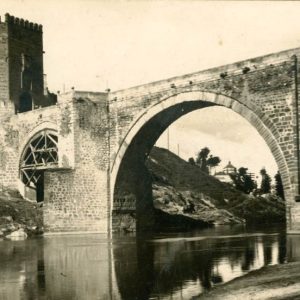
(78, 199)
(25, 38)
(15, 132)
(5, 105)
(9, 150)
(18, 39)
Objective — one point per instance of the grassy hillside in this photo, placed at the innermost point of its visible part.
(169, 170)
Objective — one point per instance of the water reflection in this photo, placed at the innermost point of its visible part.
(165, 266)
(186, 268)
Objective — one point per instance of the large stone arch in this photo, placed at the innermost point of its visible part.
(263, 125)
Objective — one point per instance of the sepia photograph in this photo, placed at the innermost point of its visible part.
(149, 150)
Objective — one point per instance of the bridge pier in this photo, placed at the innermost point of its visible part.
(77, 194)
(293, 218)
(132, 199)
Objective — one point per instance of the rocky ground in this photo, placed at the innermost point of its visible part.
(181, 189)
(271, 282)
(19, 218)
(192, 207)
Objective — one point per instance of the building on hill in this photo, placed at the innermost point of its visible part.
(229, 169)
(224, 175)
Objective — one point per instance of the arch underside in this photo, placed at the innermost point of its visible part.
(147, 128)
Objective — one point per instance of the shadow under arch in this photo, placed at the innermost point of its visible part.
(151, 123)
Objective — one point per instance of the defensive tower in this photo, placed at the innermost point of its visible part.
(21, 66)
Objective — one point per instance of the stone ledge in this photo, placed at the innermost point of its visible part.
(75, 233)
(293, 232)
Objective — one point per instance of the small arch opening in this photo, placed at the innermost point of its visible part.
(40, 154)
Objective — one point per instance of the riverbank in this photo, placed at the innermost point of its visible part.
(271, 282)
(19, 218)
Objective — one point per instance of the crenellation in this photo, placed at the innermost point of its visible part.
(22, 23)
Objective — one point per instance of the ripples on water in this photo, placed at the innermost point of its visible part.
(160, 266)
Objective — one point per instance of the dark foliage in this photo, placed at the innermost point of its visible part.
(243, 181)
(265, 187)
(279, 185)
(192, 161)
(205, 162)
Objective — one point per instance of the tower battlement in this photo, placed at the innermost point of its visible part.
(11, 20)
(21, 66)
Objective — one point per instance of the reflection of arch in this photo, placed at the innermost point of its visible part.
(168, 110)
(39, 154)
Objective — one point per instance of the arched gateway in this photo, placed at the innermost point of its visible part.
(102, 136)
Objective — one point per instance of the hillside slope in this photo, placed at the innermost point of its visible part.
(166, 166)
(193, 187)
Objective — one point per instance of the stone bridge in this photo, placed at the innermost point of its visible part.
(74, 154)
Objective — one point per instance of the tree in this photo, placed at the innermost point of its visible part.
(202, 158)
(206, 163)
(279, 185)
(212, 162)
(243, 181)
(192, 161)
(265, 186)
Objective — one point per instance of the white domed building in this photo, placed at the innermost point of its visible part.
(224, 175)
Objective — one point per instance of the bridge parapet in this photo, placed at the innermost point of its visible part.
(234, 69)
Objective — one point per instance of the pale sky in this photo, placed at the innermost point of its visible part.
(225, 133)
(92, 45)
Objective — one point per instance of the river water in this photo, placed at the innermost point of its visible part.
(156, 266)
